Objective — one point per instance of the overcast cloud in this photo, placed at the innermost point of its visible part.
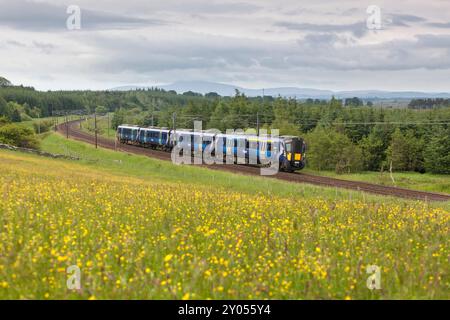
(252, 43)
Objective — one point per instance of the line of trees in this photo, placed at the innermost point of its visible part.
(341, 138)
(345, 136)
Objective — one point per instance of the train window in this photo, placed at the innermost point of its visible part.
(269, 146)
(288, 147)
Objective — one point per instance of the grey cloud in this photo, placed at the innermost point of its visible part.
(433, 41)
(358, 29)
(34, 16)
(404, 19)
(208, 49)
(219, 8)
(201, 53)
(39, 45)
(15, 43)
(439, 25)
(317, 51)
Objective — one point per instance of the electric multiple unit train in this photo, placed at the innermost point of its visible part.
(244, 148)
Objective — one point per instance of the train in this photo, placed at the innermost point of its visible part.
(244, 148)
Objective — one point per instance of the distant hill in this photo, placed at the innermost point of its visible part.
(204, 87)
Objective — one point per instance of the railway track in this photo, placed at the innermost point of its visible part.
(77, 134)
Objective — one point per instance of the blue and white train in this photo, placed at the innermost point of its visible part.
(244, 148)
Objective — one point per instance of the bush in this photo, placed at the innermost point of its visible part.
(331, 150)
(4, 120)
(15, 116)
(42, 126)
(25, 117)
(18, 136)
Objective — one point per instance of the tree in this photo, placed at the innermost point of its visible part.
(118, 118)
(331, 150)
(353, 102)
(373, 152)
(5, 82)
(101, 110)
(286, 127)
(4, 108)
(15, 116)
(406, 151)
(218, 119)
(374, 147)
(437, 155)
(212, 95)
(192, 94)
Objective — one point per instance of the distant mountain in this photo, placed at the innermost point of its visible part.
(230, 90)
(222, 89)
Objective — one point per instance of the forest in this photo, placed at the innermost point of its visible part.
(348, 135)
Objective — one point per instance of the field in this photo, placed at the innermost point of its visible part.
(139, 230)
(410, 180)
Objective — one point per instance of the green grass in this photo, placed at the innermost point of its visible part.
(103, 126)
(29, 124)
(411, 180)
(134, 235)
(153, 169)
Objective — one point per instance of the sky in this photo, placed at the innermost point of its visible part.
(321, 44)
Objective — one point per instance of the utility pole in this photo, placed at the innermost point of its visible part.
(67, 126)
(39, 122)
(115, 141)
(257, 114)
(152, 120)
(257, 123)
(95, 129)
(108, 124)
(174, 119)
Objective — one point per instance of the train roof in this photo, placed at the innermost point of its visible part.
(209, 132)
(155, 129)
(128, 126)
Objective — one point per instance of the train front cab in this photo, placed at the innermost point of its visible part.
(295, 154)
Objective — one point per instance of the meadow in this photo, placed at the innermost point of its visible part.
(142, 235)
(410, 180)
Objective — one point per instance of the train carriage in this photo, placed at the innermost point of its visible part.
(243, 148)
